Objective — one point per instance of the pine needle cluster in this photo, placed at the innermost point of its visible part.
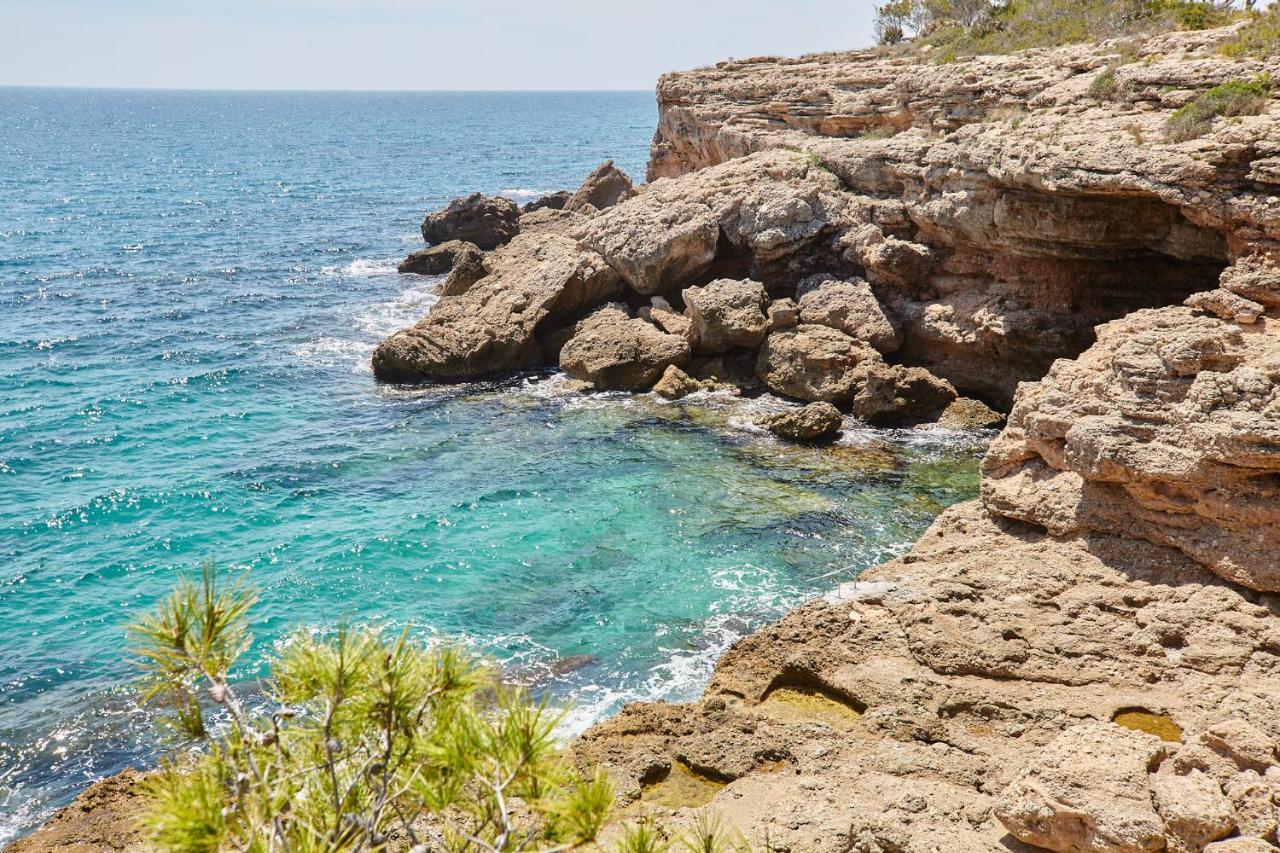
(362, 741)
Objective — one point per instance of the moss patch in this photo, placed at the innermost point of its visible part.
(1142, 720)
(680, 788)
(804, 705)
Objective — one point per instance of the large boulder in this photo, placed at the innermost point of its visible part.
(436, 260)
(487, 221)
(675, 384)
(815, 363)
(967, 413)
(491, 327)
(814, 422)
(1087, 791)
(604, 187)
(893, 393)
(655, 247)
(727, 313)
(615, 351)
(849, 306)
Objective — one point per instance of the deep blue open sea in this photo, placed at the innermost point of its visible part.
(191, 285)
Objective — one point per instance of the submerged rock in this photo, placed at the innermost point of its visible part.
(487, 221)
(814, 422)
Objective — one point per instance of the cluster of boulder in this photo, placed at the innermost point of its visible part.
(705, 282)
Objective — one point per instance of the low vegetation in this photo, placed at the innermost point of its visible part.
(360, 741)
(952, 28)
(1236, 98)
(1260, 37)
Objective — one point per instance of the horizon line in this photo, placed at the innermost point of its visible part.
(269, 90)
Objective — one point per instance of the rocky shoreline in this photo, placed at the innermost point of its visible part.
(1088, 658)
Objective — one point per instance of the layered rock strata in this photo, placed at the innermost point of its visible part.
(1088, 659)
(996, 208)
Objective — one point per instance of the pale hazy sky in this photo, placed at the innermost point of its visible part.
(404, 44)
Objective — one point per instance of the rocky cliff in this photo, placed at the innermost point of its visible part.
(999, 207)
(1088, 658)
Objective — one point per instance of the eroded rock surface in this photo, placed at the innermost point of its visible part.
(615, 351)
(1088, 659)
(1167, 429)
(486, 221)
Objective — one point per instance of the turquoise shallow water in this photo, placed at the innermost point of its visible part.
(190, 288)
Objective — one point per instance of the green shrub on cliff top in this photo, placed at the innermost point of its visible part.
(954, 28)
(1261, 37)
(1236, 98)
(364, 739)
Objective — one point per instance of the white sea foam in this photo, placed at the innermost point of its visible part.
(405, 309)
(520, 195)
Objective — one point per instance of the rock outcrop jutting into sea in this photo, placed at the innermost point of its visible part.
(1087, 659)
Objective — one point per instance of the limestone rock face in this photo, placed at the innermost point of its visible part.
(1087, 790)
(615, 351)
(815, 363)
(487, 221)
(849, 306)
(466, 268)
(1166, 430)
(656, 248)
(604, 187)
(492, 326)
(999, 210)
(727, 314)
(436, 260)
(814, 422)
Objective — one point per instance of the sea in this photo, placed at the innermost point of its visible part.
(191, 285)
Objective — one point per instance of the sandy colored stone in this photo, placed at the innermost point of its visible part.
(615, 351)
(466, 267)
(815, 363)
(814, 422)
(849, 306)
(675, 384)
(726, 313)
(486, 221)
(966, 413)
(1166, 429)
(102, 819)
(491, 327)
(655, 247)
(1193, 809)
(604, 187)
